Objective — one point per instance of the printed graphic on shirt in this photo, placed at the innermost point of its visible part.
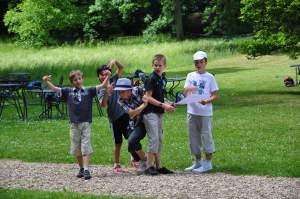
(200, 85)
(77, 95)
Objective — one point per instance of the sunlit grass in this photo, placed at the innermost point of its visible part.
(256, 118)
(35, 194)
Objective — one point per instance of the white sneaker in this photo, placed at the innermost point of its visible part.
(205, 167)
(195, 165)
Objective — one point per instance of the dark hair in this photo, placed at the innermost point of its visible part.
(102, 68)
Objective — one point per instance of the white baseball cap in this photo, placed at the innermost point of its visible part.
(199, 55)
(123, 84)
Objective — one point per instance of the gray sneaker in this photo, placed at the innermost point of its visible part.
(143, 165)
(195, 165)
(205, 167)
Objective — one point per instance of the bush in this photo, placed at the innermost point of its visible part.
(276, 25)
(42, 22)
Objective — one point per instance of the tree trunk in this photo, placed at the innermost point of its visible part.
(178, 19)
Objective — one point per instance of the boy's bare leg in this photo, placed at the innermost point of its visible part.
(149, 159)
(86, 160)
(80, 160)
(157, 160)
(141, 154)
(117, 153)
(208, 156)
(198, 157)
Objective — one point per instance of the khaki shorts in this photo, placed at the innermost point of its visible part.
(153, 125)
(80, 135)
(200, 134)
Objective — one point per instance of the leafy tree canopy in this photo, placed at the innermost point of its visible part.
(276, 25)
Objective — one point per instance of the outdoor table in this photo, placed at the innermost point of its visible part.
(175, 81)
(15, 92)
(19, 78)
(47, 106)
(297, 69)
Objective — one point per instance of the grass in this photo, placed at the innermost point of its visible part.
(256, 118)
(33, 194)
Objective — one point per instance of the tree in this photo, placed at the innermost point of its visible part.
(178, 19)
(221, 17)
(42, 22)
(276, 25)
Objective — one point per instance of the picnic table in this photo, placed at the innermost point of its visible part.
(16, 93)
(297, 69)
(175, 82)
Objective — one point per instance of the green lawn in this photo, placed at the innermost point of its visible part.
(256, 118)
(30, 194)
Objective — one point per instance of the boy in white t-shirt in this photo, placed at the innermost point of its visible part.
(199, 115)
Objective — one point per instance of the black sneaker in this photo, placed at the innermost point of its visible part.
(164, 170)
(80, 173)
(87, 175)
(151, 171)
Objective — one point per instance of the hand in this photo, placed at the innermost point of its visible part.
(145, 100)
(204, 102)
(107, 72)
(192, 89)
(168, 107)
(109, 89)
(112, 63)
(46, 78)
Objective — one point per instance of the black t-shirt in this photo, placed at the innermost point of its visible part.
(114, 111)
(157, 85)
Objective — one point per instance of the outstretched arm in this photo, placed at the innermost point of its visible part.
(47, 79)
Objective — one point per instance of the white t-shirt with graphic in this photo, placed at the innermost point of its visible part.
(206, 84)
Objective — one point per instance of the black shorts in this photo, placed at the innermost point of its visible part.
(119, 128)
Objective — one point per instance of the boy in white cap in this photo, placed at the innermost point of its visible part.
(199, 115)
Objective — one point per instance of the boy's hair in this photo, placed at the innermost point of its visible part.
(73, 73)
(102, 68)
(159, 57)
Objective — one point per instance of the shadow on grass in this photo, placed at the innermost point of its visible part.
(214, 71)
(253, 98)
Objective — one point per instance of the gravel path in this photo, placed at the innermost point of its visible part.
(61, 177)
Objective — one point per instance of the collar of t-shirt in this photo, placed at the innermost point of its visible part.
(77, 93)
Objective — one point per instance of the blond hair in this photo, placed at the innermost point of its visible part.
(159, 57)
(74, 73)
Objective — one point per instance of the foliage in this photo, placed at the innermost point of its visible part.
(160, 24)
(221, 17)
(116, 17)
(276, 25)
(39, 22)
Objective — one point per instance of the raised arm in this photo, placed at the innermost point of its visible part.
(105, 83)
(47, 79)
(120, 66)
